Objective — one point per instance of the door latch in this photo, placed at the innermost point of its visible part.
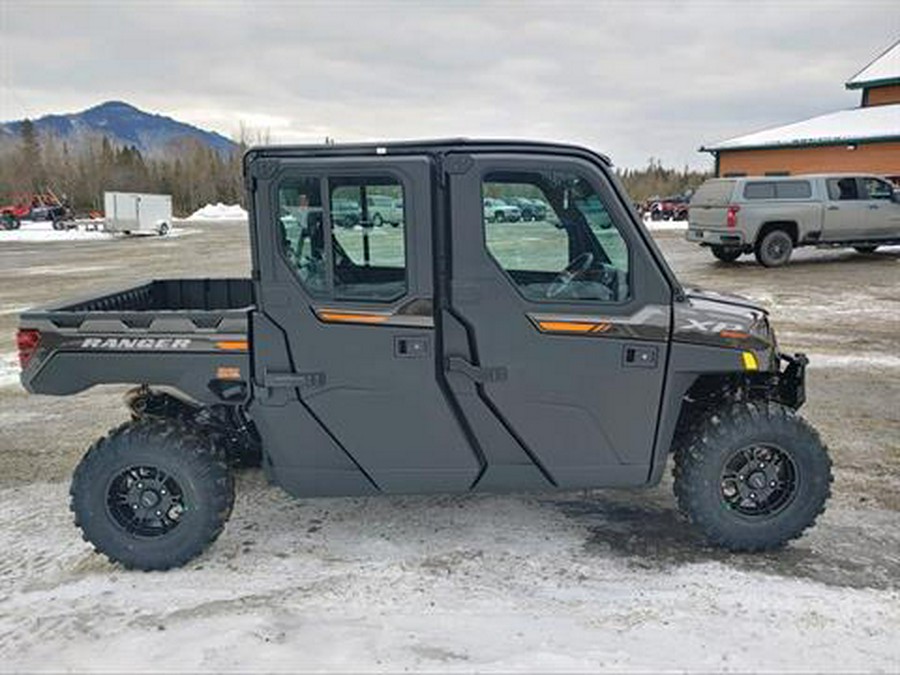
(457, 364)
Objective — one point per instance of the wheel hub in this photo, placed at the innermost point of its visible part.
(758, 481)
(145, 501)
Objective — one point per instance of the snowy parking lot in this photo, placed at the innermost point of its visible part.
(599, 581)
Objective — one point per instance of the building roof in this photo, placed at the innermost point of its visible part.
(885, 69)
(875, 123)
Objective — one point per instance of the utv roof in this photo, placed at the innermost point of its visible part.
(427, 146)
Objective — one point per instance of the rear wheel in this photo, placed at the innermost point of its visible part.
(866, 249)
(499, 217)
(152, 495)
(163, 229)
(774, 248)
(377, 220)
(752, 476)
(726, 253)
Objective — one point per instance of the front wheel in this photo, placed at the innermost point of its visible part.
(726, 253)
(774, 248)
(152, 495)
(752, 476)
(163, 229)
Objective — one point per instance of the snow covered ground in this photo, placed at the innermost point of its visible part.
(9, 370)
(452, 584)
(42, 231)
(662, 225)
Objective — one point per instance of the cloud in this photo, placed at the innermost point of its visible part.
(631, 79)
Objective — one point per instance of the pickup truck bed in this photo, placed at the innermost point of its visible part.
(198, 326)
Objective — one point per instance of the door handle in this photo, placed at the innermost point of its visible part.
(280, 380)
(833, 208)
(457, 364)
(873, 206)
(640, 356)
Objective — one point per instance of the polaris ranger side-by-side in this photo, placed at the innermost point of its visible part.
(449, 354)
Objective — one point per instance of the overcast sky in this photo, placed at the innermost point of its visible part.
(631, 79)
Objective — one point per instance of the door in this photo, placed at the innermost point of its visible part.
(846, 211)
(882, 212)
(344, 345)
(557, 333)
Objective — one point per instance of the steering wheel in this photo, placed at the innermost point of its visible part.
(572, 271)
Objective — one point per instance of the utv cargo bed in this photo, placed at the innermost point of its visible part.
(199, 325)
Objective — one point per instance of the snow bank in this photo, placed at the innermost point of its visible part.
(219, 211)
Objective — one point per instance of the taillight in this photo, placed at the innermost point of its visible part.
(731, 218)
(27, 340)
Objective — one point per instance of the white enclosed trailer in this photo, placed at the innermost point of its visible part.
(136, 213)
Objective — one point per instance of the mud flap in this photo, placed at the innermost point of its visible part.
(791, 388)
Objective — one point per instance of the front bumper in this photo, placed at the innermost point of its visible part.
(790, 388)
(708, 237)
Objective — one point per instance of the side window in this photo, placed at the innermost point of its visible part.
(361, 253)
(793, 189)
(842, 189)
(878, 189)
(554, 237)
(759, 190)
(302, 225)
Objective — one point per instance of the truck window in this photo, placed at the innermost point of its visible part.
(759, 190)
(553, 236)
(793, 189)
(359, 260)
(842, 189)
(878, 189)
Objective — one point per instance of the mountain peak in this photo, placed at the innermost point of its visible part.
(124, 124)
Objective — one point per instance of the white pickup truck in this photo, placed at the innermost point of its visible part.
(770, 216)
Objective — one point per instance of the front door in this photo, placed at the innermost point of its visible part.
(846, 210)
(344, 343)
(555, 345)
(882, 212)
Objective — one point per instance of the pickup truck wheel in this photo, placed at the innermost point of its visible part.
(726, 253)
(774, 248)
(163, 229)
(377, 220)
(866, 249)
(152, 495)
(752, 476)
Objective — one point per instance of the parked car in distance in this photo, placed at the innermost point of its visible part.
(345, 212)
(384, 209)
(771, 216)
(498, 211)
(532, 209)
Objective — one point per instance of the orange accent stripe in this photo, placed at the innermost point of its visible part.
(232, 345)
(567, 326)
(740, 335)
(351, 317)
(228, 373)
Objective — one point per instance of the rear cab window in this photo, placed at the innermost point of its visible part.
(715, 192)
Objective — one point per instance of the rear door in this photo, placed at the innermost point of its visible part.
(556, 343)
(351, 305)
(882, 212)
(846, 210)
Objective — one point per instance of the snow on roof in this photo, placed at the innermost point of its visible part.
(883, 70)
(856, 124)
